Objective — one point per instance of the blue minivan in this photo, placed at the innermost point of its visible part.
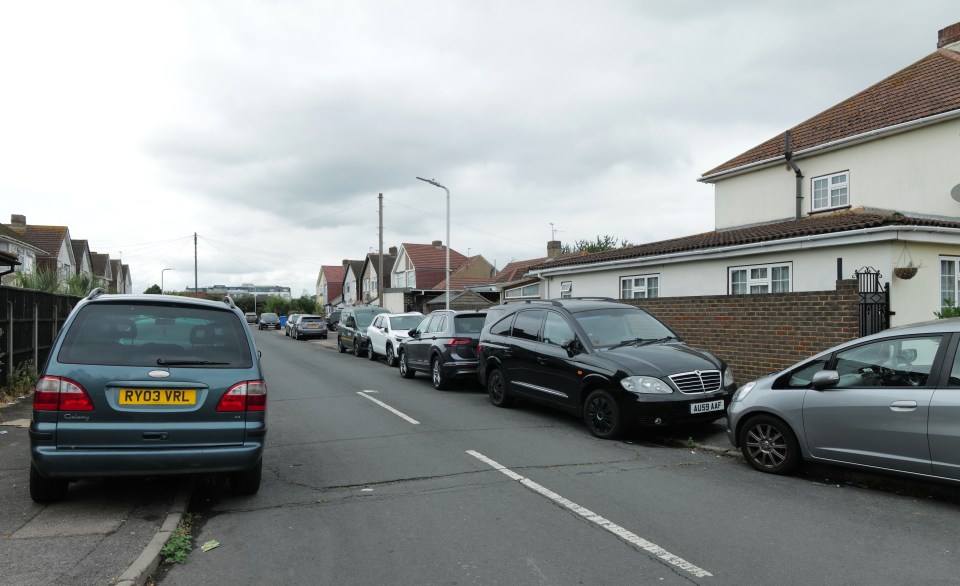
(145, 385)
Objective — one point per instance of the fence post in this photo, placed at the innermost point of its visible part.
(36, 332)
(9, 361)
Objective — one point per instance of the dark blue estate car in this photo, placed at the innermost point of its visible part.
(143, 385)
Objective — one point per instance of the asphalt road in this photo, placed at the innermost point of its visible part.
(373, 479)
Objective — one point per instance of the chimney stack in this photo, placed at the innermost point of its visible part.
(392, 251)
(438, 243)
(554, 248)
(18, 220)
(949, 36)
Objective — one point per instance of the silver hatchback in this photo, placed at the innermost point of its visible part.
(888, 402)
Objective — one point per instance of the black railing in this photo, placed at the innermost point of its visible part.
(874, 301)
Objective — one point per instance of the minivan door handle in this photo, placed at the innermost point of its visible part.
(903, 406)
(154, 435)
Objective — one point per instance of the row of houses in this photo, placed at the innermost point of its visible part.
(31, 249)
(868, 187)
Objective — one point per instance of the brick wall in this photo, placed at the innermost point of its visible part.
(760, 334)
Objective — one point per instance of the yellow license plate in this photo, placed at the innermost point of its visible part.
(158, 397)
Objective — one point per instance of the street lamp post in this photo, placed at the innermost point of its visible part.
(161, 279)
(434, 183)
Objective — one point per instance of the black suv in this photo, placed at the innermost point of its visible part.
(443, 344)
(610, 363)
(352, 329)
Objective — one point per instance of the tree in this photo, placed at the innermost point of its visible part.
(603, 243)
(153, 290)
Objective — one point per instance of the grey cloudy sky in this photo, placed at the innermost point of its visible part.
(269, 128)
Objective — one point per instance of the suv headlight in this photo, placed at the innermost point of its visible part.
(743, 391)
(727, 377)
(646, 385)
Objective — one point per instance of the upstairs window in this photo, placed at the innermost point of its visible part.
(645, 287)
(831, 191)
(761, 279)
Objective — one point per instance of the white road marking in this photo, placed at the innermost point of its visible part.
(387, 407)
(620, 532)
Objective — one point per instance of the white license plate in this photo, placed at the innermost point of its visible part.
(706, 407)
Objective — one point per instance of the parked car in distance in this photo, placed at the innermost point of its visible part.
(268, 321)
(352, 330)
(291, 321)
(387, 331)
(144, 385)
(611, 364)
(885, 402)
(333, 320)
(309, 326)
(251, 317)
(444, 344)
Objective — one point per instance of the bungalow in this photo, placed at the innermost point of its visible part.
(53, 241)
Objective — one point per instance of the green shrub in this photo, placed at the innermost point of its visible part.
(21, 382)
(949, 309)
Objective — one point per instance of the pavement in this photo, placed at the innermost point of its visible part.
(111, 531)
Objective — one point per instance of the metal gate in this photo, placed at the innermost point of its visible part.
(874, 301)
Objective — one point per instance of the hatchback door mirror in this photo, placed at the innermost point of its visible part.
(572, 346)
(825, 379)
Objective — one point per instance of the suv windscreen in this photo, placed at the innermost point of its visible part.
(265, 317)
(614, 325)
(405, 322)
(363, 319)
(142, 335)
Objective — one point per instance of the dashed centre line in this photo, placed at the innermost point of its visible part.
(388, 407)
(596, 519)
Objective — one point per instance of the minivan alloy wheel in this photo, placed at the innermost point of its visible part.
(601, 414)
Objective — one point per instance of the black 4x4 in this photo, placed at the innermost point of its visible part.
(610, 363)
(444, 344)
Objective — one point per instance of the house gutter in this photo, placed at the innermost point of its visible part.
(837, 144)
(857, 236)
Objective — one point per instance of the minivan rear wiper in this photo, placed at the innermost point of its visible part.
(163, 362)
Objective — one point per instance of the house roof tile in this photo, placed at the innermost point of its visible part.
(47, 238)
(430, 263)
(836, 222)
(515, 270)
(926, 88)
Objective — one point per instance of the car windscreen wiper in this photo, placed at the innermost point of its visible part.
(163, 362)
(627, 343)
(659, 341)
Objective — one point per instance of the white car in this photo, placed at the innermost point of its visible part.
(386, 331)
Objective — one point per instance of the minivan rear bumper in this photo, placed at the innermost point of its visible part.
(88, 463)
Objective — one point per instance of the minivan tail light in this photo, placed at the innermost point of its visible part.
(54, 393)
(245, 396)
(460, 342)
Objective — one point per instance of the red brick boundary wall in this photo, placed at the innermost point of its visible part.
(761, 334)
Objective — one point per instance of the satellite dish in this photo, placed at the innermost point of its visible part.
(955, 192)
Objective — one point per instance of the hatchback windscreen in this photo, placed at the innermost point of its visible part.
(469, 324)
(612, 326)
(156, 335)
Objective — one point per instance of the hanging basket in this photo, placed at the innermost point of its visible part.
(907, 272)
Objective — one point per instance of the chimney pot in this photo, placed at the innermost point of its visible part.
(438, 243)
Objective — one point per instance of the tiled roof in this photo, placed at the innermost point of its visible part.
(79, 247)
(431, 263)
(855, 219)
(8, 259)
(101, 264)
(928, 87)
(515, 270)
(48, 238)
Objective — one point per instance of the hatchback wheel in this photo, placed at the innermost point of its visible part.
(46, 490)
(405, 370)
(286, 332)
(357, 351)
(769, 445)
(602, 415)
(340, 345)
(440, 382)
(247, 483)
(391, 359)
(497, 389)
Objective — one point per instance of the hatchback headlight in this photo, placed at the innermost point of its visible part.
(743, 391)
(645, 385)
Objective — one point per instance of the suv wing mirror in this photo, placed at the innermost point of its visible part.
(413, 333)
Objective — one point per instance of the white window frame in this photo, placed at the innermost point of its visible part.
(949, 280)
(834, 194)
(566, 289)
(531, 291)
(411, 278)
(758, 277)
(640, 286)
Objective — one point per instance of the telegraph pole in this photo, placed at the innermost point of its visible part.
(380, 268)
(196, 288)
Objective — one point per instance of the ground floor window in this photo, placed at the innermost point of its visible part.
(751, 280)
(949, 288)
(640, 287)
(566, 289)
(523, 292)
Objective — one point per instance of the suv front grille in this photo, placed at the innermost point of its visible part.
(698, 381)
